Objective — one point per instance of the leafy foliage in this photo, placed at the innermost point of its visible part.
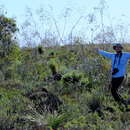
(74, 74)
(7, 30)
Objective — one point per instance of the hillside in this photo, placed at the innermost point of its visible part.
(59, 88)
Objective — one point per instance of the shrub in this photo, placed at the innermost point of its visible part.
(74, 80)
(13, 106)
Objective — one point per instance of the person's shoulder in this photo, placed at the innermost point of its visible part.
(125, 53)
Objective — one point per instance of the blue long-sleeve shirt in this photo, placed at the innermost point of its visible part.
(121, 66)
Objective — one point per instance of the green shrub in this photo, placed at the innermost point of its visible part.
(74, 80)
(56, 121)
(12, 107)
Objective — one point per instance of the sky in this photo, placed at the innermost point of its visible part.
(117, 11)
(17, 8)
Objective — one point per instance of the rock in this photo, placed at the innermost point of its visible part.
(44, 100)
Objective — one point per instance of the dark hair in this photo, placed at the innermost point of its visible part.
(117, 44)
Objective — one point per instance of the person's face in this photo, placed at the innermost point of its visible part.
(118, 49)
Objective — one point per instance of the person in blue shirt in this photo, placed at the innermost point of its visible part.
(118, 69)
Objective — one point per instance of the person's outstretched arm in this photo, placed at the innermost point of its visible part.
(104, 53)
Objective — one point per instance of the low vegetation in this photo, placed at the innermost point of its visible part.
(59, 87)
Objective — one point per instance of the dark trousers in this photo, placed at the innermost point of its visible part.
(115, 84)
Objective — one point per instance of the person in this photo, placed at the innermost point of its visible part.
(118, 69)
